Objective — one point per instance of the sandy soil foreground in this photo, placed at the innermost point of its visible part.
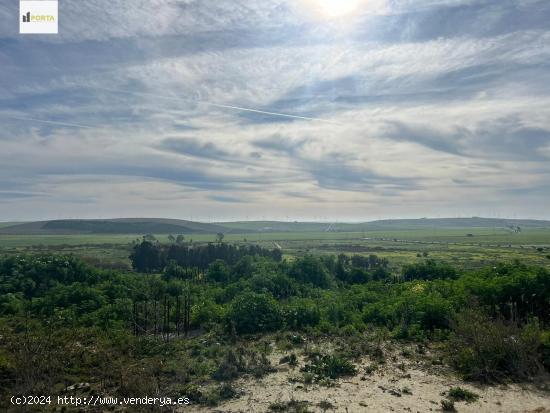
(399, 385)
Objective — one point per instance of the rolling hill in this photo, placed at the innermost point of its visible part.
(111, 226)
(176, 226)
(385, 225)
(449, 223)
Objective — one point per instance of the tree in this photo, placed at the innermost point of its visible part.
(146, 257)
(310, 270)
(218, 271)
(243, 268)
(340, 270)
(219, 237)
(277, 254)
(358, 276)
(171, 238)
(429, 270)
(179, 239)
(173, 270)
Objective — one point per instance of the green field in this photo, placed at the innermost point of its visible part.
(8, 224)
(464, 247)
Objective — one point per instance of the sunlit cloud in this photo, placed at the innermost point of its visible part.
(340, 9)
(357, 110)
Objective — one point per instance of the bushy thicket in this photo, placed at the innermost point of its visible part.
(306, 292)
(253, 313)
(488, 350)
(506, 336)
(150, 256)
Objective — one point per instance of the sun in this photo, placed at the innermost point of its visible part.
(339, 13)
(337, 8)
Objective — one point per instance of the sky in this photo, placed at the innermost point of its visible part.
(328, 110)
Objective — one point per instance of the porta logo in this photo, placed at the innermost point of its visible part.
(38, 16)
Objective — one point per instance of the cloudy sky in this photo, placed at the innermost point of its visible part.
(281, 109)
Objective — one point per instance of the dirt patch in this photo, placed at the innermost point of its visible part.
(401, 384)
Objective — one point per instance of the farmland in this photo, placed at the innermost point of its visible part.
(467, 247)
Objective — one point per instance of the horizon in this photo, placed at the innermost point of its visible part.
(321, 221)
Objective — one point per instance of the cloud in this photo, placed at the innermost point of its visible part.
(503, 138)
(280, 143)
(341, 177)
(226, 199)
(17, 196)
(193, 147)
(438, 106)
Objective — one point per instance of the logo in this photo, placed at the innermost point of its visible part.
(38, 16)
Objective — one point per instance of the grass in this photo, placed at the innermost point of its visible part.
(406, 390)
(484, 236)
(486, 247)
(292, 406)
(458, 394)
(8, 224)
(330, 367)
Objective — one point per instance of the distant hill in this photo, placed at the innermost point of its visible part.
(475, 222)
(276, 226)
(111, 226)
(177, 226)
(385, 225)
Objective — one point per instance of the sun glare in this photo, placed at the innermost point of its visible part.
(337, 8)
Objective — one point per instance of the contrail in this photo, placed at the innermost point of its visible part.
(240, 108)
(286, 115)
(70, 125)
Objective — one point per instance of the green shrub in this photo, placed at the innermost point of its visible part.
(331, 367)
(227, 391)
(301, 313)
(292, 406)
(279, 285)
(310, 270)
(296, 339)
(308, 378)
(218, 394)
(218, 271)
(242, 361)
(428, 270)
(291, 359)
(459, 394)
(325, 405)
(254, 313)
(230, 367)
(492, 350)
(173, 270)
(339, 314)
(371, 368)
(377, 355)
(259, 366)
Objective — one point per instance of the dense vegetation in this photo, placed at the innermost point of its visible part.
(149, 256)
(63, 321)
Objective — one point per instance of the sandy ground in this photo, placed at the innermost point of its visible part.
(381, 391)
